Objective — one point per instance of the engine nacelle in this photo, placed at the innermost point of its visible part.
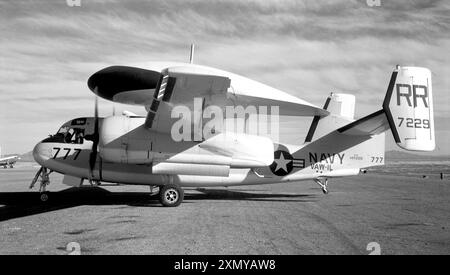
(124, 140)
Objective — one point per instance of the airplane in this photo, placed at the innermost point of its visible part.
(142, 150)
(8, 161)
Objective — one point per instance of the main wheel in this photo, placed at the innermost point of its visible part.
(171, 195)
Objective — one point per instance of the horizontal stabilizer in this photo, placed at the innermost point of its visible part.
(372, 124)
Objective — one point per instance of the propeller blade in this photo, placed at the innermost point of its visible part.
(95, 139)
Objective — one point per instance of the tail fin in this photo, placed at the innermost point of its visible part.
(342, 110)
(407, 110)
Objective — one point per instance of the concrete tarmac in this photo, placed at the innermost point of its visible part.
(404, 215)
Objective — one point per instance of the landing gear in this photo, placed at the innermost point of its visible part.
(154, 190)
(95, 183)
(171, 195)
(323, 183)
(43, 174)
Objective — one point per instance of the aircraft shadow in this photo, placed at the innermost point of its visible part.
(221, 194)
(22, 204)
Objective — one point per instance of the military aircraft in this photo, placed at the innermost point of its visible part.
(143, 150)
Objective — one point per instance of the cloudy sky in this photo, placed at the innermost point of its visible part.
(307, 48)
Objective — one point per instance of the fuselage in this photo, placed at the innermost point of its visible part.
(134, 163)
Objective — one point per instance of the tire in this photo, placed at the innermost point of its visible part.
(171, 195)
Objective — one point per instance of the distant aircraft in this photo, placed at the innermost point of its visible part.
(136, 150)
(8, 161)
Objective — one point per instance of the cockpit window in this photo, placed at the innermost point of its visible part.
(63, 130)
(71, 135)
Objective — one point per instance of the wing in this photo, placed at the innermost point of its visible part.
(185, 84)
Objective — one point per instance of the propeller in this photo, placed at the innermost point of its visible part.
(95, 140)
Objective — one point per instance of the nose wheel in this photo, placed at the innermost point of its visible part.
(43, 176)
(171, 195)
(323, 183)
(95, 183)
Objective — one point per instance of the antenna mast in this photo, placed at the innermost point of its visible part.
(191, 56)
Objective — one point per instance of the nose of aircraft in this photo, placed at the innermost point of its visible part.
(42, 152)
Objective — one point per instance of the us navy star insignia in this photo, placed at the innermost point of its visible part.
(283, 163)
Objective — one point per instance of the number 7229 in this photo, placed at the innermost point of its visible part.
(414, 123)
